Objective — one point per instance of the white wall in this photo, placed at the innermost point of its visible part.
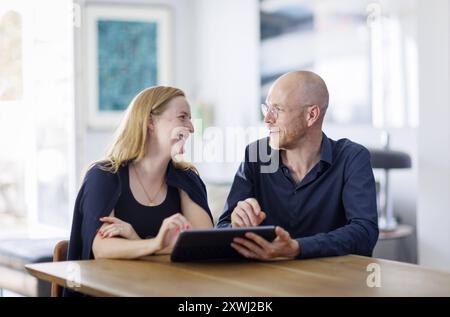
(227, 47)
(227, 74)
(215, 57)
(434, 134)
(91, 144)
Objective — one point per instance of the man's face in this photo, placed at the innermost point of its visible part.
(286, 119)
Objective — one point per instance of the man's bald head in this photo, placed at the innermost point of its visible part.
(306, 88)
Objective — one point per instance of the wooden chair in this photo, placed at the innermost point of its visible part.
(59, 254)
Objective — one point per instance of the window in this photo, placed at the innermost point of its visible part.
(36, 106)
(365, 52)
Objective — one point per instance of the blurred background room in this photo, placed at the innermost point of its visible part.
(68, 69)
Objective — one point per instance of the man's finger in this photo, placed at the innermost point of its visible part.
(250, 245)
(262, 216)
(251, 214)
(243, 251)
(255, 205)
(238, 220)
(282, 234)
(244, 216)
(263, 243)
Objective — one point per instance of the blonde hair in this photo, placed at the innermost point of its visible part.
(131, 137)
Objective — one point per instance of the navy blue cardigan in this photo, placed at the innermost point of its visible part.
(99, 194)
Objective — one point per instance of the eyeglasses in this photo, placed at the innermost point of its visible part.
(270, 109)
(274, 111)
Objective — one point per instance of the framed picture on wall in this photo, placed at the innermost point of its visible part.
(127, 50)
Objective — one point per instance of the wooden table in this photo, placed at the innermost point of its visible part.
(334, 276)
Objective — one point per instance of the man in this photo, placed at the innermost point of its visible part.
(321, 196)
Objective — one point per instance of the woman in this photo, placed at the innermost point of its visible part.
(137, 200)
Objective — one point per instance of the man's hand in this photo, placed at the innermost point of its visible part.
(247, 214)
(256, 247)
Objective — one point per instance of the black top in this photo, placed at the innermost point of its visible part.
(145, 220)
(99, 194)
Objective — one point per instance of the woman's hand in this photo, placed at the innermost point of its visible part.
(169, 232)
(114, 227)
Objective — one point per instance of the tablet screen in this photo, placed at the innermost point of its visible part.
(214, 244)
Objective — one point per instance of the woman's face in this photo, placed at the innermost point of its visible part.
(172, 127)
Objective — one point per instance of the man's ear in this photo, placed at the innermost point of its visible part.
(313, 115)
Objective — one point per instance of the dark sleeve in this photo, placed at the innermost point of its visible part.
(241, 189)
(360, 234)
(96, 199)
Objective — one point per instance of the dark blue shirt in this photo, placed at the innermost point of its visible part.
(332, 211)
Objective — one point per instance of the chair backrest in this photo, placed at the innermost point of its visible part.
(59, 254)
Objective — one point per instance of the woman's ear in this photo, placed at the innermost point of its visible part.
(150, 124)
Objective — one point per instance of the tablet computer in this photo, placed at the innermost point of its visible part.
(214, 244)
